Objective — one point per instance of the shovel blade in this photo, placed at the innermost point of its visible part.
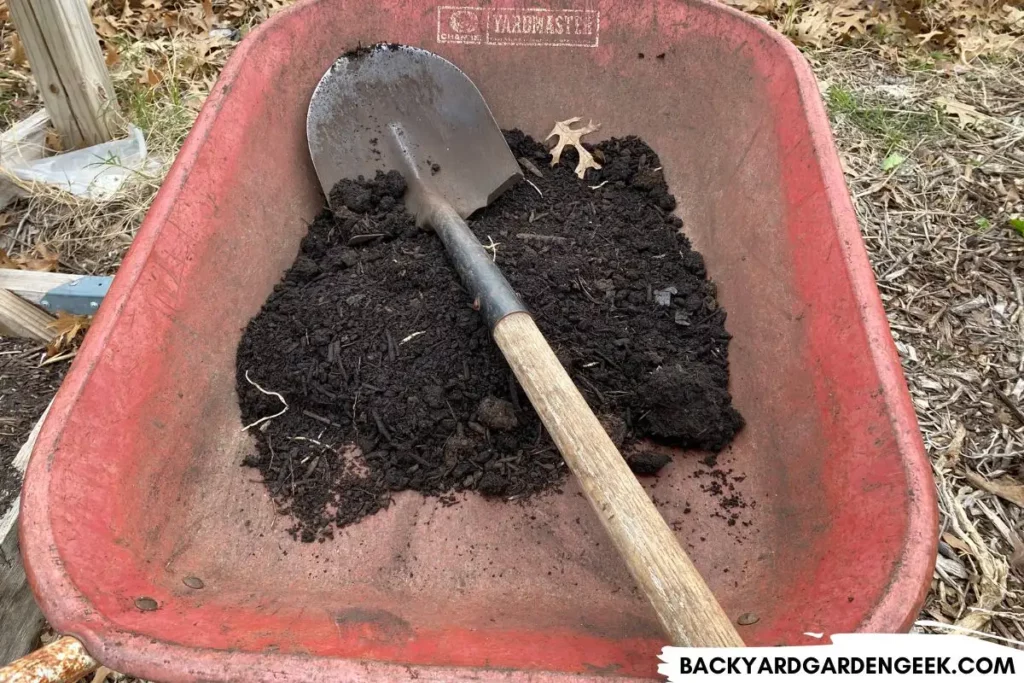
(402, 108)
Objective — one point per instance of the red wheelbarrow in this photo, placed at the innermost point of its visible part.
(135, 488)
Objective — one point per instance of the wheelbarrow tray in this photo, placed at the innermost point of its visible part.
(136, 482)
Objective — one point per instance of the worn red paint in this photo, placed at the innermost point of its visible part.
(138, 458)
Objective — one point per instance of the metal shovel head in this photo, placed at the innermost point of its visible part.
(392, 107)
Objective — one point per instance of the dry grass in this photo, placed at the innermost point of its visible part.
(163, 61)
(931, 140)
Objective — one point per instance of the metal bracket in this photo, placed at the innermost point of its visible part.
(79, 297)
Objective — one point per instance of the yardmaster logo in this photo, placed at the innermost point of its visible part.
(527, 26)
(862, 656)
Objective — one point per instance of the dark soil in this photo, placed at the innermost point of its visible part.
(25, 391)
(372, 341)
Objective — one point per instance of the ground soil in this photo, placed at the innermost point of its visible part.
(373, 343)
(25, 391)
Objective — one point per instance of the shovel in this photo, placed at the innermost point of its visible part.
(393, 107)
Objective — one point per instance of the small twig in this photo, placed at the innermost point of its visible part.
(492, 246)
(380, 426)
(534, 186)
(959, 629)
(531, 237)
(313, 441)
(1014, 408)
(412, 336)
(21, 224)
(529, 166)
(268, 393)
(423, 463)
(356, 240)
(320, 418)
(586, 291)
(392, 351)
(57, 359)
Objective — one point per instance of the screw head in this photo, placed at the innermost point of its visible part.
(146, 604)
(748, 618)
(193, 582)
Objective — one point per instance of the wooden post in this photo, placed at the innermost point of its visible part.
(64, 53)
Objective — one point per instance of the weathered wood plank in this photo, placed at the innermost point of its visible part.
(32, 285)
(78, 294)
(19, 614)
(19, 318)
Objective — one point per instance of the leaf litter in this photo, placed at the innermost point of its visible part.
(939, 232)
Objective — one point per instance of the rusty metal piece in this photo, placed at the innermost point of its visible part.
(193, 582)
(62, 661)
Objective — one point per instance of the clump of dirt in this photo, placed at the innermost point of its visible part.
(392, 381)
(363, 50)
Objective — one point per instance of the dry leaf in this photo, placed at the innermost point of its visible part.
(18, 56)
(965, 113)
(851, 16)
(956, 543)
(41, 259)
(169, 19)
(104, 26)
(951, 456)
(67, 328)
(7, 262)
(208, 15)
(570, 136)
(151, 78)
(1017, 558)
(812, 27)
(753, 6)
(111, 56)
(990, 586)
(1005, 487)
(53, 142)
(204, 46)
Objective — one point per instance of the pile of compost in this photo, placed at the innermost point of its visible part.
(393, 383)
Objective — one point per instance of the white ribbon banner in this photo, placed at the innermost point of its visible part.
(852, 657)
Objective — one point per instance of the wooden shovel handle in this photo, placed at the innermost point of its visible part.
(685, 605)
(62, 661)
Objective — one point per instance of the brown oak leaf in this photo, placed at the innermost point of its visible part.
(567, 135)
